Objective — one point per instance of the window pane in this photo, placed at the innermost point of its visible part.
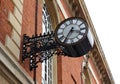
(47, 64)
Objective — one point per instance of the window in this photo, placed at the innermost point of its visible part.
(46, 25)
(47, 65)
(85, 73)
(93, 80)
(86, 76)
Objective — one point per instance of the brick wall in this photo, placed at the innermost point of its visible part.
(28, 27)
(5, 27)
(70, 70)
(10, 25)
(17, 17)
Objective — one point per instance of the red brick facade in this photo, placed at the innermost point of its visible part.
(28, 27)
(69, 70)
(5, 27)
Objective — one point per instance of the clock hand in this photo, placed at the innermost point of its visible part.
(78, 31)
(69, 33)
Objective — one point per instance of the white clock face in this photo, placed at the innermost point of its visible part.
(71, 30)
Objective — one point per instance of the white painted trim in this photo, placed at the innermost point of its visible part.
(22, 1)
(18, 5)
(14, 22)
(16, 38)
(92, 71)
(62, 9)
(12, 47)
(14, 66)
(18, 15)
(43, 1)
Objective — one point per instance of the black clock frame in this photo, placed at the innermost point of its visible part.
(76, 49)
(64, 44)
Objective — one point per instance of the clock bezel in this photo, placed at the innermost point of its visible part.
(71, 18)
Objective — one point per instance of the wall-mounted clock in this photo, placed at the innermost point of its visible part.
(75, 36)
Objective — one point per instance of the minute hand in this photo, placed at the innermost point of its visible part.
(70, 32)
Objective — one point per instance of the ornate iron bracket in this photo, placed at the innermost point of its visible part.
(39, 48)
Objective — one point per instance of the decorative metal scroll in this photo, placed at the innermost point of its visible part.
(39, 48)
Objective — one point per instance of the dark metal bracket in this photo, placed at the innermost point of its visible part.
(39, 48)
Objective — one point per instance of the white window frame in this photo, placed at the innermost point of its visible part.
(47, 65)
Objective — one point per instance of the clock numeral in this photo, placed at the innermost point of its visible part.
(60, 33)
(82, 25)
(71, 21)
(69, 41)
(60, 30)
(79, 23)
(62, 38)
(81, 33)
(79, 36)
(72, 41)
(75, 21)
(75, 39)
(62, 26)
(67, 23)
(84, 28)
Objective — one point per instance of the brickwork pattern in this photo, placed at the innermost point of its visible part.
(5, 27)
(28, 27)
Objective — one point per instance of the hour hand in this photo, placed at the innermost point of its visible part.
(77, 31)
(69, 34)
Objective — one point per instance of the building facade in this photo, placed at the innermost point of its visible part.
(17, 17)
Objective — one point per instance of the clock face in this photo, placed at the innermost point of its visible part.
(71, 31)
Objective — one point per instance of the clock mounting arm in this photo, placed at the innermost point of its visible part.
(73, 40)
